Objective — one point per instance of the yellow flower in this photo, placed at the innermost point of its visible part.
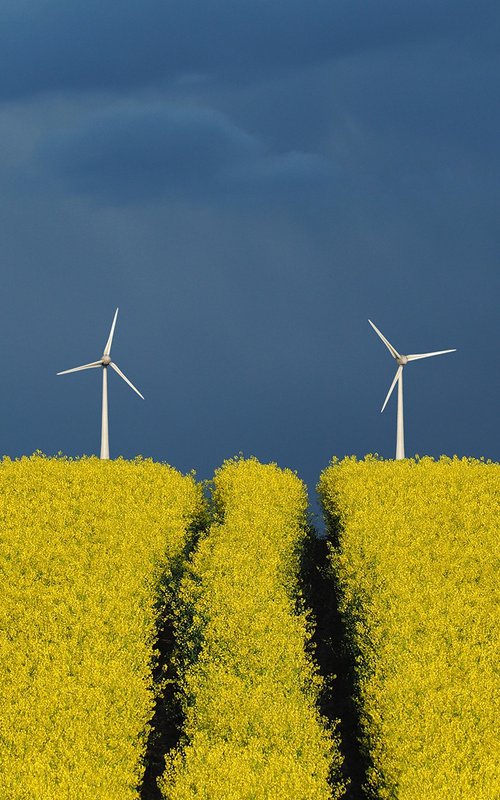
(83, 546)
(252, 729)
(415, 551)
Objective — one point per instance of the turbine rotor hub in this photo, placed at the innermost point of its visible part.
(402, 361)
(105, 361)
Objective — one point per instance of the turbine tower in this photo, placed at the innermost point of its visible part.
(401, 361)
(105, 362)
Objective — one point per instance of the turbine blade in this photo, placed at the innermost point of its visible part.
(394, 353)
(93, 365)
(396, 378)
(120, 373)
(428, 355)
(107, 349)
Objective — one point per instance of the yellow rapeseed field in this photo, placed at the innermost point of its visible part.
(416, 557)
(83, 546)
(252, 728)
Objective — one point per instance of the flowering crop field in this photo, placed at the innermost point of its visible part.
(84, 545)
(252, 730)
(415, 553)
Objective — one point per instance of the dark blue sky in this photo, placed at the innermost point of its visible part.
(249, 182)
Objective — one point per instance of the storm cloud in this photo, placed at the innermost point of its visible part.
(168, 152)
(118, 46)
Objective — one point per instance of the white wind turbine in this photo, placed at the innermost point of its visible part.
(105, 362)
(401, 361)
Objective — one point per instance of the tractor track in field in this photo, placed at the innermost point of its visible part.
(332, 653)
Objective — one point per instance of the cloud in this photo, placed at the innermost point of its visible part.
(53, 45)
(129, 157)
(285, 172)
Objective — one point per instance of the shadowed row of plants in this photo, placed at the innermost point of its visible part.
(248, 687)
(311, 586)
(333, 651)
(168, 719)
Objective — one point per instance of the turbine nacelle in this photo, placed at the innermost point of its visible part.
(402, 361)
(106, 361)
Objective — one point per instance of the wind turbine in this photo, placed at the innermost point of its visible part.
(401, 361)
(105, 362)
